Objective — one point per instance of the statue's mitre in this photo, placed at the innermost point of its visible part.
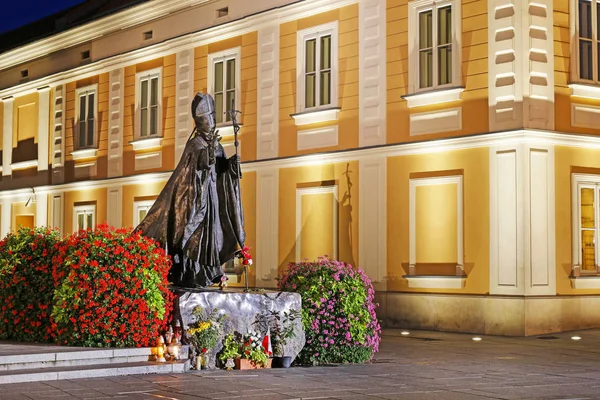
(203, 106)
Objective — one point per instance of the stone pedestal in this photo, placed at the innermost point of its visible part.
(242, 309)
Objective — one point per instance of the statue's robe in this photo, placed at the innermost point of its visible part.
(198, 216)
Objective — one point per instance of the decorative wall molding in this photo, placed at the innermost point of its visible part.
(83, 154)
(585, 116)
(115, 122)
(506, 239)
(58, 134)
(433, 97)
(7, 138)
(43, 128)
(85, 169)
(24, 165)
(184, 93)
(521, 65)
(372, 219)
(585, 91)
(267, 227)
(372, 72)
(412, 235)
(268, 92)
(316, 191)
(446, 120)
(57, 210)
(317, 138)
(148, 160)
(316, 116)
(6, 216)
(146, 143)
(522, 239)
(115, 206)
(435, 282)
(41, 209)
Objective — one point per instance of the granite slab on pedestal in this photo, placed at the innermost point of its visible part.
(242, 309)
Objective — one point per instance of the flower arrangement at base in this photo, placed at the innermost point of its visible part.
(203, 334)
(338, 311)
(26, 283)
(111, 289)
(244, 347)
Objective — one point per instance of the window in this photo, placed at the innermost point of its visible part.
(587, 27)
(147, 35)
(85, 55)
(149, 104)
(317, 67)
(140, 209)
(434, 48)
(86, 117)
(586, 229)
(84, 217)
(224, 78)
(24, 73)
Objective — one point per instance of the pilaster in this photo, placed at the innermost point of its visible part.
(522, 234)
(43, 127)
(372, 72)
(7, 140)
(115, 131)
(58, 134)
(268, 92)
(184, 93)
(520, 64)
(372, 220)
(267, 227)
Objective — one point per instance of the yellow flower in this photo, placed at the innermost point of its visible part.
(201, 327)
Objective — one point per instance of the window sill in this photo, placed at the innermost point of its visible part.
(432, 97)
(24, 165)
(585, 282)
(587, 91)
(316, 116)
(226, 129)
(435, 281)
(146, 143)
(84, 153)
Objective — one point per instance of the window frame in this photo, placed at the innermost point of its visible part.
(85, 208)
(575, 30)
(87, 90)
(302, 36)
(224, 56)
(414, 9)
(578, 182)
(139, 77)
(137, 206)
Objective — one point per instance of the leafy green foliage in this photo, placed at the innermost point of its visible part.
(338, 311)
(26, 284)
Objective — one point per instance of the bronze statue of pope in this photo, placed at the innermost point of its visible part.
(198, 216)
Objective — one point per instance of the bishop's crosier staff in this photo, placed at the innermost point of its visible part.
(236, 128)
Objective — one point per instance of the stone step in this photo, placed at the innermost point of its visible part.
(72, 358)
(92, 371)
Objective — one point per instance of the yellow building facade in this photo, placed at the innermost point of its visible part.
(449, 148)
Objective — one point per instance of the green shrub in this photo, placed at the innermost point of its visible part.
(338, 311)
(26, 284)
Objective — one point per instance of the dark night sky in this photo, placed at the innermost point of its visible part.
(16, 13)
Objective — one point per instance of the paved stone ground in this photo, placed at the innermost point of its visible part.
(422, 366)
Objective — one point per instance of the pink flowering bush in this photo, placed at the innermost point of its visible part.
(338, 311)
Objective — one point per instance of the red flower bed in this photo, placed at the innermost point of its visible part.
(111, 289)
(26, 284)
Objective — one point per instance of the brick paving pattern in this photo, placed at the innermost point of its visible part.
(422, 366)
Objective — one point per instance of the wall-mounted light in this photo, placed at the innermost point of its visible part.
(31, 199)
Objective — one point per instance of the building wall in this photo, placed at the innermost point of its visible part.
(473, 103)
(437, 258)
(347, 123)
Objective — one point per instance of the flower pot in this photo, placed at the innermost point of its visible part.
(244, 363)
(282, 362)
